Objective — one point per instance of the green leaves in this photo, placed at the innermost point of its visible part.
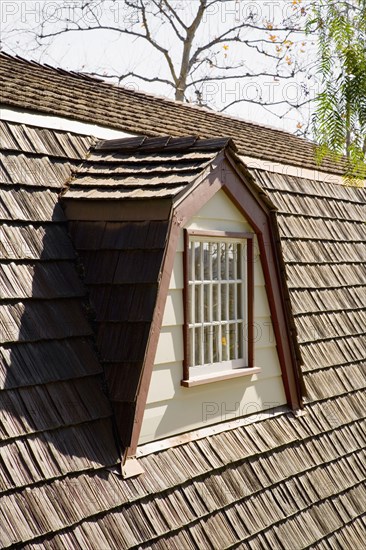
(340, 118)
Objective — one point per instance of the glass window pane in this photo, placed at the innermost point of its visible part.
(190, 304)
(236, 257)
(223, 294)
(215, 263)
(239, 261)
(231, 259)
(215, 302)
(241, 338)
(239, 301)
(191, 261)
(206, 261)
(232, 302)
(191, 348)
(216, 296)
(197, 347)
(207, 345)
(216, 344)
(197, 261)
(206, 302)
(225, 343)
(233, 341)
(197, 303)
(223, 260)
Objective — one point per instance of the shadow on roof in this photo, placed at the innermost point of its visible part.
(57, 418)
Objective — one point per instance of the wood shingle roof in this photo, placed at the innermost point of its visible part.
(324, 251)
(51, 399)
(57, 92)
(275, 481)
(143, 168)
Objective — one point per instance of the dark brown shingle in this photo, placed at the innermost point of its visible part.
(51, 399)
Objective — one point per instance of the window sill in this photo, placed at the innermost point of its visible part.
(219, 376)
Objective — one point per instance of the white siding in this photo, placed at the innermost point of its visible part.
(34, 118)
(173, 409)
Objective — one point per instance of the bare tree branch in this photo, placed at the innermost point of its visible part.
(169, 18)
(157, 46)
(185, 63)
(119, 78)
(224, 37)
(272, 103)
(239, 77)
(191, 55)
(175, 14)
(88, 29)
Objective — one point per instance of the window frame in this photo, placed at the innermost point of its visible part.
(225, 372)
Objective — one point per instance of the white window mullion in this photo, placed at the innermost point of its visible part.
(202, 306)
(227, 303)
(235, 297)
(192, 295)
(218, 293)
(210, 304)
(243, 297)
(192, 301)
(219, 316)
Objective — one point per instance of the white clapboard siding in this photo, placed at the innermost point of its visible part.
(171, 408)
(173, 312)
(205, 405)
(165, 383)
(176, 280)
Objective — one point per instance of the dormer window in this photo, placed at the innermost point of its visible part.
(219, 310)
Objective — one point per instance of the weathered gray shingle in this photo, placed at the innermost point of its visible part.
(56, 92)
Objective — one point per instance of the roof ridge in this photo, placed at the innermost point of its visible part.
(143, 144)
(78, 97)
(153, 96)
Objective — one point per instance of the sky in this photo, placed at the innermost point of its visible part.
(110, 52)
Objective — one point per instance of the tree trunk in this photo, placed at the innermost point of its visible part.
(179, 94)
